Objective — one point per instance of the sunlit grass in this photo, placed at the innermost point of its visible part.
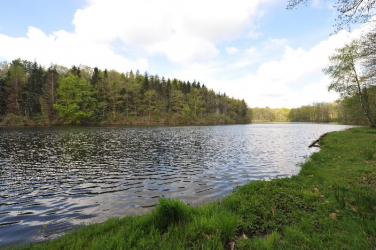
(331, 204)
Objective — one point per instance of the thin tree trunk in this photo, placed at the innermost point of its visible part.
(16, 91)
(52, 89)
(361, 99)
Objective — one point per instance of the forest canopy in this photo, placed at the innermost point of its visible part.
(31, 94)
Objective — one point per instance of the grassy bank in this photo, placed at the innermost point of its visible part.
(330, 204)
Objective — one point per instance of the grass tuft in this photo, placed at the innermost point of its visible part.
(170, 212)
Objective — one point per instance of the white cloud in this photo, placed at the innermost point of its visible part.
(275, 43)
(65, 49)
(185, 49)
(254, 35)
(168, 27)
(317, 91)
(185, 32)
(293, 80)
(232, 50)
(239, 64)
(251, 50)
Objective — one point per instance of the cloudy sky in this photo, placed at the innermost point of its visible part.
(254, 50)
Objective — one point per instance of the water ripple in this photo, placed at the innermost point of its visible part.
(54, 179)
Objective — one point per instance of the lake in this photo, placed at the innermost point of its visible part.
(55, 179)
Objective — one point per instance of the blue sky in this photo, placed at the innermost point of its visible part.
(253, 50)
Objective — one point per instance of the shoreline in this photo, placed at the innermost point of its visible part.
(130, 124)
(333, 193)
(163, 124)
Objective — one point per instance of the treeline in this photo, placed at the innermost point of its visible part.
(270, 114)
(31, 94)
(346, 110)
(317, 112)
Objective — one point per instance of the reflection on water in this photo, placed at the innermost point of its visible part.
(53, 179)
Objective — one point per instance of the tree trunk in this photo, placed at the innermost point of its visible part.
(361, 99)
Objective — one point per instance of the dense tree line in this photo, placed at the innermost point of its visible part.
(346, 110)
(270, 114)
(30, 93)
(317, 112)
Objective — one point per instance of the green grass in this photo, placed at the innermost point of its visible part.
(331, 204)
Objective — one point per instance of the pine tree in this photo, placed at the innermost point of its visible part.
(15, 84)
(34, 90)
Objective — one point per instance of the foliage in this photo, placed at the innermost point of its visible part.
(85, 95)
(317, 112)
(48, 96)
(33, 89)
(3, 93)
(14, 120)
(345, 76)
(76, 103)
(348, 79)
(352, 111)
(270, 114)
(15, 83)
(330, 204)
(367, 46)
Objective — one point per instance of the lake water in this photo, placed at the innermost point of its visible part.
(54, 179)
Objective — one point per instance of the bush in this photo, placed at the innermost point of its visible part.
(14, 120)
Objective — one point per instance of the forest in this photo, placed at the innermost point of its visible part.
(346, 110)
(33, 95)
(270, 114)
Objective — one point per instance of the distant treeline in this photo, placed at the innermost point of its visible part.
(270, 114)
(31, 94)
(317, 112)
(346, 110)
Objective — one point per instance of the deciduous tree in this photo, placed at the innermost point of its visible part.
(75, 104)
(347, 79)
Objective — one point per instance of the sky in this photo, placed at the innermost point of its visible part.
(254, 50)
